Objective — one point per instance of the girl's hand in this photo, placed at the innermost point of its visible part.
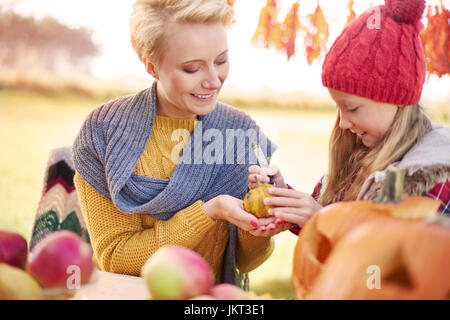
(231, 209)
(263, 175)
(291, 205)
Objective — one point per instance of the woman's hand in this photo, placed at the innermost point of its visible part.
(268, 227)
(225, 207)
(231, 209)
(291, 205)
(263, 176)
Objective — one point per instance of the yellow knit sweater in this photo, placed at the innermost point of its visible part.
(123, 242)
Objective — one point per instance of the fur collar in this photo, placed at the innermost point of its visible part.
(426, 164)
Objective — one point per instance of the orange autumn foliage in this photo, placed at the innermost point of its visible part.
(282, 36)
(267, 31)
(352, 14)
(289, 29)
(316, 35)
(436, 40)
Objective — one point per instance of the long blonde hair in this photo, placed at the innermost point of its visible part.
(350, 162)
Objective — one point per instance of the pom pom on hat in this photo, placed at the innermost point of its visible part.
(405, 11)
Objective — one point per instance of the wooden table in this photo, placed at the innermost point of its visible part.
(113, 286)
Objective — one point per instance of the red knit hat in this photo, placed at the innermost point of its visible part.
(379, 55)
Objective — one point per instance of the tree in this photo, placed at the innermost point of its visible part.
(5, 3)
(53, 46)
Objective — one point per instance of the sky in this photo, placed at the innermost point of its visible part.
(251, 69)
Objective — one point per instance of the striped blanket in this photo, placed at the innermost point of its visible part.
(58, 208)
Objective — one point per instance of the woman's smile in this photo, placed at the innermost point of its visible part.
(204, 97)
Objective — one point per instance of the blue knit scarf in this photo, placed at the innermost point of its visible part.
(114, 136)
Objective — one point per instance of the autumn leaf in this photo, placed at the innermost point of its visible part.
(316, 35)
(230, 2)
(436, 40)
(352, 14)
(268, 30)
(289, 29)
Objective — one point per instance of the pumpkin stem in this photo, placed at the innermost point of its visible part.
(258, 183)
(393, 185)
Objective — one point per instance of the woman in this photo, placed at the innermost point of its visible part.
(140, 187)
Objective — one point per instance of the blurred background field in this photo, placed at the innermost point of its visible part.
(55, 69)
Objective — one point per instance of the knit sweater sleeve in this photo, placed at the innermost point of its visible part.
(252, 251)
(122, 242)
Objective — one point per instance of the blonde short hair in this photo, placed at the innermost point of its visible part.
(149, 19)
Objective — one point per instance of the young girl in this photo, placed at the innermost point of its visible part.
(375, 75)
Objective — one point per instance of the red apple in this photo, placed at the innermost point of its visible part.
(203, 297)
(226, 291)
(13, 248)
(174, 273)
(62, 259)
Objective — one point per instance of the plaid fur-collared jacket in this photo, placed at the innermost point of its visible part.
(427, 166)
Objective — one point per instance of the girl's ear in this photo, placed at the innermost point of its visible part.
(151, 69)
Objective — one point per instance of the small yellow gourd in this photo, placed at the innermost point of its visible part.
(254, 200)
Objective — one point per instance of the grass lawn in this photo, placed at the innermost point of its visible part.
(31, 125)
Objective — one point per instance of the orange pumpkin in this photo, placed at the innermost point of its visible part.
(324, 230)
(388, 259)
(254, 200)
